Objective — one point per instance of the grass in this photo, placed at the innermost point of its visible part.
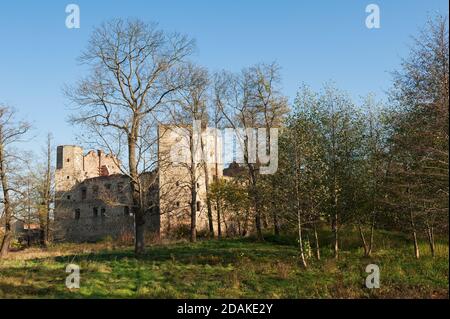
(231, 268)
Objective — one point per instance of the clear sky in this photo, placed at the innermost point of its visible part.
(313, 41)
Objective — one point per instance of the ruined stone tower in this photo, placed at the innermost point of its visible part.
(93, 197)
(175, 179)
(69, 167)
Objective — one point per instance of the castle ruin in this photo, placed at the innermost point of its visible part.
(93, 197)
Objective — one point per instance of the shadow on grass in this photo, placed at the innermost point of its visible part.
(202, 270)
(23, 283)
(170, 269)
(213, 252)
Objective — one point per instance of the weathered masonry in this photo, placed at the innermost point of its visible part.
(93, 198)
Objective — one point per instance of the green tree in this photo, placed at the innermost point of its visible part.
(418, 175)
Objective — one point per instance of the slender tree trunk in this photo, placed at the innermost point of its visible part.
(42, 226)
(216, 166)
(137, 209)
(47, 225)
(48, 195)
(316, 239)
(210, 216)
(363, 240)
(430, 235)
(298, 205)
(372, 231)
(309, 246)
(413, 225)
(208, 198)
(193, 237)
(336, 234)
(140, 232)
(193, 187)
(28, 220)
(414, 233)
(7, 210)
(259, 234)
(300, 240)
(335, 221)
(219, 227)
(276, 226)
(254, 192)
(335, 199)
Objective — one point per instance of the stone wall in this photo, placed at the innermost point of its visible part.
(175, 183)
(92, 199)
(96, 208)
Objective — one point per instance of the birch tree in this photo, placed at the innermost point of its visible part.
(418, 180)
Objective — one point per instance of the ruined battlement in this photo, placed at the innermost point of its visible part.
(73, 166)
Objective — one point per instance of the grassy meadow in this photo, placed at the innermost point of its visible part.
(228, 268)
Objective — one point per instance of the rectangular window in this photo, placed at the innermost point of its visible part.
(95, 212)
(103, 212)
(108, 186)
(83, 193)
(59, 157)
(119, 187)
(77, 213)
(126, 210)
(198, 206)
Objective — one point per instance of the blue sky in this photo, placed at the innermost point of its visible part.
(313, 41)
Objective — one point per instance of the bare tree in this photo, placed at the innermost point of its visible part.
(132, 65)
(219, 92)
(190, 115)
(44, 181)
(11, 132)
(251, 100)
